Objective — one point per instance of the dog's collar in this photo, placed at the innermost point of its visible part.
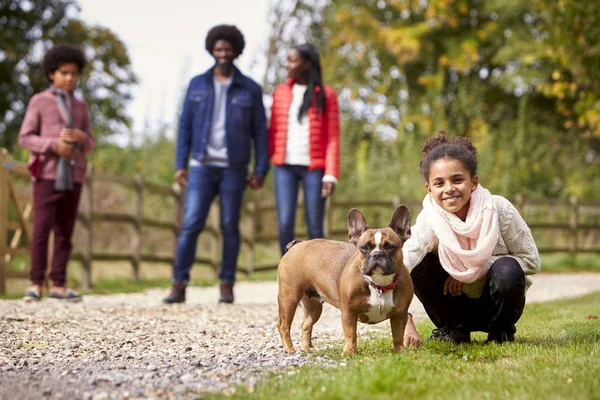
(383, 289)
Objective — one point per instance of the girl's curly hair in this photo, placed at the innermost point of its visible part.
(441, 146)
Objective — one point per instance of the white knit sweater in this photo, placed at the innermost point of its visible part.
(515, 241)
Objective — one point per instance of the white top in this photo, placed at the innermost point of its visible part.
(297, 149)
(515, 241)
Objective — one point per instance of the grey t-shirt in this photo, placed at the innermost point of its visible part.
(216, 148)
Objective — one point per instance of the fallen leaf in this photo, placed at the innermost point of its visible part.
(593, 317)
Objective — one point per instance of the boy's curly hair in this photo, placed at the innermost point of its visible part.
(229, 33)
(441, 146)
(62, 54)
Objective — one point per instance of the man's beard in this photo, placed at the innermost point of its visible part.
(225, 67)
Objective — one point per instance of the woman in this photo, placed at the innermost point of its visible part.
(304, 143)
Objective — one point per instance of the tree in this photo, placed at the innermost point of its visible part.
(28, 30)
(487, 70)
(570, 32)
(292, 22)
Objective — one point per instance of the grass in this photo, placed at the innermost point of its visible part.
(564, 262)
(556, 356)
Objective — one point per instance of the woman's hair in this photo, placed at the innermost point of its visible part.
(229, 33)
(440, 147)
(315, 79)
(62, 54)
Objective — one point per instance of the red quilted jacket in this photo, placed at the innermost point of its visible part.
(324, 133)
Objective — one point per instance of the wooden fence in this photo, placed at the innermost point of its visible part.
(255, 229)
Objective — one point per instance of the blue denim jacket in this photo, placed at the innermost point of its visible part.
(245, 122)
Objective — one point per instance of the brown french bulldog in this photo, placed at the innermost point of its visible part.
(366, 279)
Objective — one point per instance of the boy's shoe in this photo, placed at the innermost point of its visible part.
(69, 295)
(456, 335)
(177, 294)
(32, 294)
(500, 337)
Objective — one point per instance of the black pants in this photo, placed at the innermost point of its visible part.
(497, 310)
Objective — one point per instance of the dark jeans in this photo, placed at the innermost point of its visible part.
(52, 211)
(204, 183)
(287, 182)
(497, 310)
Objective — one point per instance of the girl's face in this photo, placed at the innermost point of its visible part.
(450, 185)
(65, 77)
(297, 67)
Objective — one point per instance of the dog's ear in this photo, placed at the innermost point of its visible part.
(356, 225)
(400, 222)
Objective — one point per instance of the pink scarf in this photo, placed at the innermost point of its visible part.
(465, 247)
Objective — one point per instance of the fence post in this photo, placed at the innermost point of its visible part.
(574, 224)
(216, 237)
(520, 203)
(177, 194)
(258, 221)
(328, 217)
(395, 203)
(250, 235)
(136, 242)
(46, 282)
(3, 220)
(86, 252)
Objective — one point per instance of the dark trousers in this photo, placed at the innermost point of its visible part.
(497, 310)
(52, 211)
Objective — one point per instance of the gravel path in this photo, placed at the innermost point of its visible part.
(131, 346)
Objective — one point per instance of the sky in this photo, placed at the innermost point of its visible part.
(165, 40)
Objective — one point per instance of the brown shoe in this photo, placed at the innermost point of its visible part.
(226, 292)
(177, 294)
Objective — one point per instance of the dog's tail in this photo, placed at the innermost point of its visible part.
(291, 244)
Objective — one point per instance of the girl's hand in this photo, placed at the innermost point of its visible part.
(452, 286)
(411, 336)
(72, 135)
(327, 189)
(65, 150)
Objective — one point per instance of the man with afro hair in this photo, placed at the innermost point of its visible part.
(222, 120)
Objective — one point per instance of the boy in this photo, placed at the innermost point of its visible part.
(56, 129)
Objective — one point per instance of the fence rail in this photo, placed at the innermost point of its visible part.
(253, 230)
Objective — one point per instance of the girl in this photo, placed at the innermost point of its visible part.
(469, 251)
(304, 143)
(56, 130)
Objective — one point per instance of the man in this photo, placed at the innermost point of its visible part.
(223, 117)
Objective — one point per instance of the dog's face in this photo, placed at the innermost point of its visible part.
(380, 249)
